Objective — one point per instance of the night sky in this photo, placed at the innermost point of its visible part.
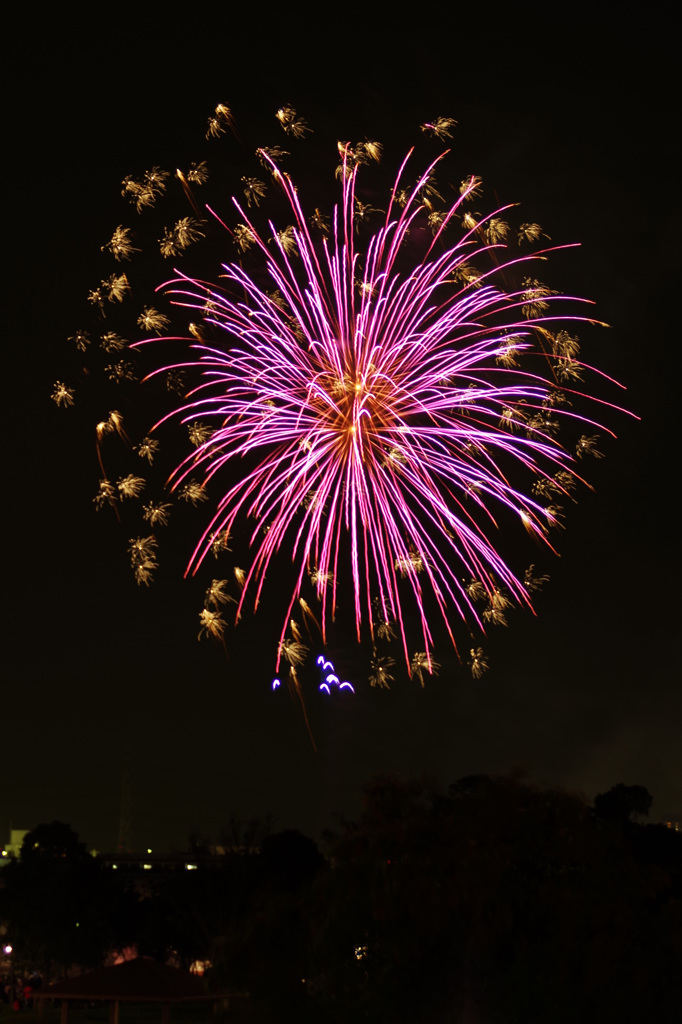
(568, 120)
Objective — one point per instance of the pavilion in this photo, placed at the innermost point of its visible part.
(134, 981)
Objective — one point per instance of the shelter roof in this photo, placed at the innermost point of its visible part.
(139, 980)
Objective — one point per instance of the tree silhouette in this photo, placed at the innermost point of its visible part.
(499, 901)
(61, 907)
(623, 803)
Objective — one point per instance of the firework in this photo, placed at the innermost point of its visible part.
(330, 680)
(375, 397)
(385, 394)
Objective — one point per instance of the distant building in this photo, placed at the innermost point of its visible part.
(12, 847)
(212, 857)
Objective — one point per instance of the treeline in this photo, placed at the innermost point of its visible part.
(495, 901)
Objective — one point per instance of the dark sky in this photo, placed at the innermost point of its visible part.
(569, 120)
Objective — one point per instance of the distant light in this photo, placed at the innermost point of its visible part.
(148, 850)
(114, 866)
(199, 967)
(190, 867)
(7, 950)
(147, 867)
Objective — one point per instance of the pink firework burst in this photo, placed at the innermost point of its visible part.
(377, 411)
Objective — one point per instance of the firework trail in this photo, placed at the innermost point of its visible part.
(381, 392)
